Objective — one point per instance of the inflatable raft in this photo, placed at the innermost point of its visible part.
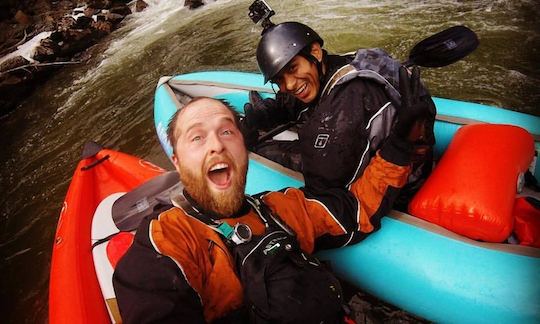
(411, 263)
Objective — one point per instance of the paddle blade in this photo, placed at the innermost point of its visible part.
(444, 48)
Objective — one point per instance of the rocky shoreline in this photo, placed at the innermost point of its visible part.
(38, 37)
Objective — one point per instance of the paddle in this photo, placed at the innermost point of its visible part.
(438, 50)
(443, 48)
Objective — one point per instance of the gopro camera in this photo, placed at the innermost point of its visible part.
(261, 11)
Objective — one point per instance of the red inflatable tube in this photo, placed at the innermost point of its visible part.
(473, 188)
(527, 221)
(74, 292)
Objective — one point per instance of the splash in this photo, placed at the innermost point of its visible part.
(138, 31)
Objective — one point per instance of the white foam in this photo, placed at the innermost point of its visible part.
(138, 31)
(28, 49)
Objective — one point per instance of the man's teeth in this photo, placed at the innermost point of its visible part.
(301, 89)
(219, 166)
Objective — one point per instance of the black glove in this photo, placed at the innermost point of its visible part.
(415, 116)
(264, 114)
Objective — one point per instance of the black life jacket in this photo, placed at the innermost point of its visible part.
(281, 283)
(376, 65)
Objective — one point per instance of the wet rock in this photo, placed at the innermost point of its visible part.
(69, 39)
(12, 63)
(22, 18)
(65, 24)
(74, 41)
(113, 18)
(192, 4)
(65, 6)
(102, 27)
(120, 10)
(140, 5)
(99, 4)
(47, 51)
(83, 22)
(89, 12)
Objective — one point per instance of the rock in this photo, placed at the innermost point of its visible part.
(12, 63)
(65, 23)
(83, 22)
(22, 18)
(121, 10)
(46, 51)
(99, 4)
(69, 39)
(49, 20)
(140, 5)
(113, 18)
(192, 4)
(65, 5)
(102, 27)
(75, 40)
(89, 12)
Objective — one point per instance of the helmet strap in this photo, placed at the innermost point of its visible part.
(306, 53)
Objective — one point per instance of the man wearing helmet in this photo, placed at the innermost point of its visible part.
(346, 106)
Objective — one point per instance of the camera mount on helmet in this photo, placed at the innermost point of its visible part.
(261, 11)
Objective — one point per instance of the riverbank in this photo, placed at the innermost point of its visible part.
(38, 37)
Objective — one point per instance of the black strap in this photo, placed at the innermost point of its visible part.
(107, 238)
(264, 213)
(531, 182)
(180, 199)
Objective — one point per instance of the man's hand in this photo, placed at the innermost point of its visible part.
(415, 109)
(258, 111)
(264, 114)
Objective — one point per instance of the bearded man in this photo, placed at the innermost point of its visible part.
(181, 267)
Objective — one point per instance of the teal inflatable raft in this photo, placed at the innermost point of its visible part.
(415, 265)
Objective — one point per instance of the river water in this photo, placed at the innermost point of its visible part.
(109, 99)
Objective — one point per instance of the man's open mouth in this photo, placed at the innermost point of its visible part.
(300, 90)
(220, 174)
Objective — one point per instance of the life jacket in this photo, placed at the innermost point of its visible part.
(281, 283)
(376, 65)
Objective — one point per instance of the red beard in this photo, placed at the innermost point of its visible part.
(224, 203)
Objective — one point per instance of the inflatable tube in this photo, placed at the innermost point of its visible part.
(74, 291)
(472, 190)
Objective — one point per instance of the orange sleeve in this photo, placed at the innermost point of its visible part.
(372, 188)
(338, 211)
(308, 218)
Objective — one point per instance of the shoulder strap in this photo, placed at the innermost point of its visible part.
(267, 216)
(179, 200)
(340, 73)
(373, 64)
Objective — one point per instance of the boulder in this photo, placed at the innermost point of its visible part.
(192, 4)
(83, 22)
(113, 18)
(102, 27)
(120, 10)
(46, 51)
(140, 5)
(65, 23)
(89, 12)
(99, 4)
(22, 18)
(12, 63)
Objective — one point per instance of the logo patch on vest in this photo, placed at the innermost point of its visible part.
(321, 140)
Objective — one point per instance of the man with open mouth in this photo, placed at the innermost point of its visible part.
(215, 251)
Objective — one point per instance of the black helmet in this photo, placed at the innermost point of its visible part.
(280, 43)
